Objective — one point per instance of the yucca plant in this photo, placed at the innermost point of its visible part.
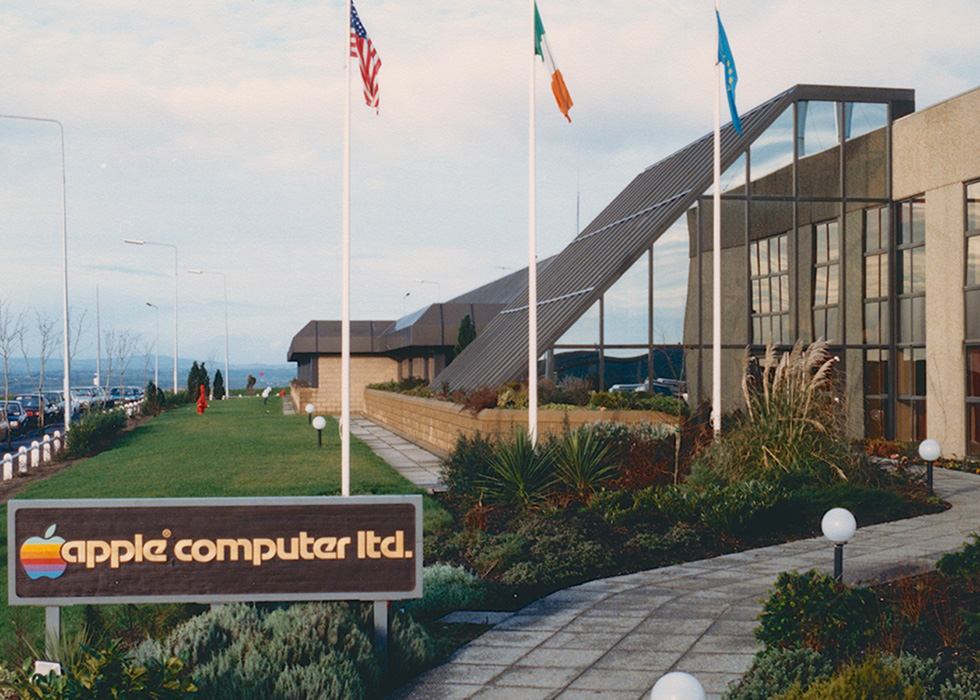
(580, 464)
(520, 473)
(794, 422)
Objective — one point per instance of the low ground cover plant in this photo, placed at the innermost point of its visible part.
(918, 637)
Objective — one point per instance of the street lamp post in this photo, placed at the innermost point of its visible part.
(156, 361)
(224, 279)
(438, 288)
(66, 384)
(929, 451)
(165, 245)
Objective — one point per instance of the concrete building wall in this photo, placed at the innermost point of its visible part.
(936, 151)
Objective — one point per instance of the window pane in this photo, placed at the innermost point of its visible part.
(973, 261)
(876, 372)
(817, 127)
(919, 371)
(833, 241)
(774, 260)
(763, 257)
(773, 153)
(919, 319)
(973, 447)
(903, 375)
(863, 117)
(783, 252)
(872, 331)
(784, 292)
(872, 285)
(872, 231)
(973, 314)
(757, 330)
(754, 259)
(905, 320)
(973, 206)
(820, 324)
(820, 286)
(831, 333)
(973, 372)
(626, 306)
(875, 419)
(918, 270)
(832, 284)
(585, 331)
(903, 421)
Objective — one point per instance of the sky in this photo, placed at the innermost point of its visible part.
(217, 127)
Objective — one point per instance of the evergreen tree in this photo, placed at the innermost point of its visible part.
(194, 382)
(465, 335)
(205, 380)
(219, 385)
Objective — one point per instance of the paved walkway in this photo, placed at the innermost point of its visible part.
(614, 638)
(420, 467)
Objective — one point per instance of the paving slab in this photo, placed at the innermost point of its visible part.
(616, 637)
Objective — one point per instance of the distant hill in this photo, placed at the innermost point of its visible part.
(138, 373)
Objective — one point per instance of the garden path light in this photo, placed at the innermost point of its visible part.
(838, 526)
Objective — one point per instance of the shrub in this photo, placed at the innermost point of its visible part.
(304, 650)
(93, 673)
(512, 395)
(793, 425)
(675, 543)
(465, 470)
(871, 679)
(964, 562)
(579, 463)
(732, 510)
(93, 431)
(812, 610)
(777, 670)
(445, 588)
(479, 399)
(964, 685)
(520, 473)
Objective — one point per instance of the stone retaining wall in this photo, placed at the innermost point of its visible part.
(435, 425)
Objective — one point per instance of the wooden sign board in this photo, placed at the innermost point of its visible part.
(214, 550)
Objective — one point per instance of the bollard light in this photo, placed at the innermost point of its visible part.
(929, 452)
(319, 423)
(838, 526)
(678, 686)
(309, 413)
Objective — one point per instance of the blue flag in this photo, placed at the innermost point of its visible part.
(731, 75)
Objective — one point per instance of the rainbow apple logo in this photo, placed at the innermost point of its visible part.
(41, 556)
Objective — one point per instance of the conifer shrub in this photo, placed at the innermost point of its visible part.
(776, 670)
(445, 588)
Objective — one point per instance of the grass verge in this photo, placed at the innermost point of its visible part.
(239, 447)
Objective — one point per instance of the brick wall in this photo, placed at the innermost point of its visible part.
(363, 371)
(436, 424)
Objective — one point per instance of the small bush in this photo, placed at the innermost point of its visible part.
(93, 673)
(478, 399)
(513, 395)
(579, 463)
(814, 611)
(445, 588)
(871, 679)
(965, 562)
(306, 650)
(777, 670)
(520, 473)
(465, 470)
(93, 431)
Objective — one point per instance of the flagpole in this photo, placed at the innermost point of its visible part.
(532, 262)
(345, 280)
(716, 255)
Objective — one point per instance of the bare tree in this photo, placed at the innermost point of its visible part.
(47, 337)
(9, 332)
(79, 327)
(119, 348)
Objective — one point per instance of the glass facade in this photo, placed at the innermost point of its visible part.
(910, 357)
(769, 280)
(877, 379)
(826, 281)
(972, 311)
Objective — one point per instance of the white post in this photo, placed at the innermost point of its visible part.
(532, 261)
(58, 442)
(716, 256)
(8, 466)
(46, 450)
(22, 459)
(345, 280)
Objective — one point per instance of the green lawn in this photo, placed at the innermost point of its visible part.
(239, 447)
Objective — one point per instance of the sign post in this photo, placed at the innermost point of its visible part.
(215, 550)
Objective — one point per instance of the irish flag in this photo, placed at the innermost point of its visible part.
(557, 81)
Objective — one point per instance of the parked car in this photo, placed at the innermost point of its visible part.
(4, 425)
(54, 405)
(125, 394)
(16, 416)
(76, 404)
(34, 406)
(86, 396)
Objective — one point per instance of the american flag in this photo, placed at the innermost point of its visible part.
(362, 49)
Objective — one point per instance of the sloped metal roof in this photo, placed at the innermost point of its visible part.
(576, 277)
